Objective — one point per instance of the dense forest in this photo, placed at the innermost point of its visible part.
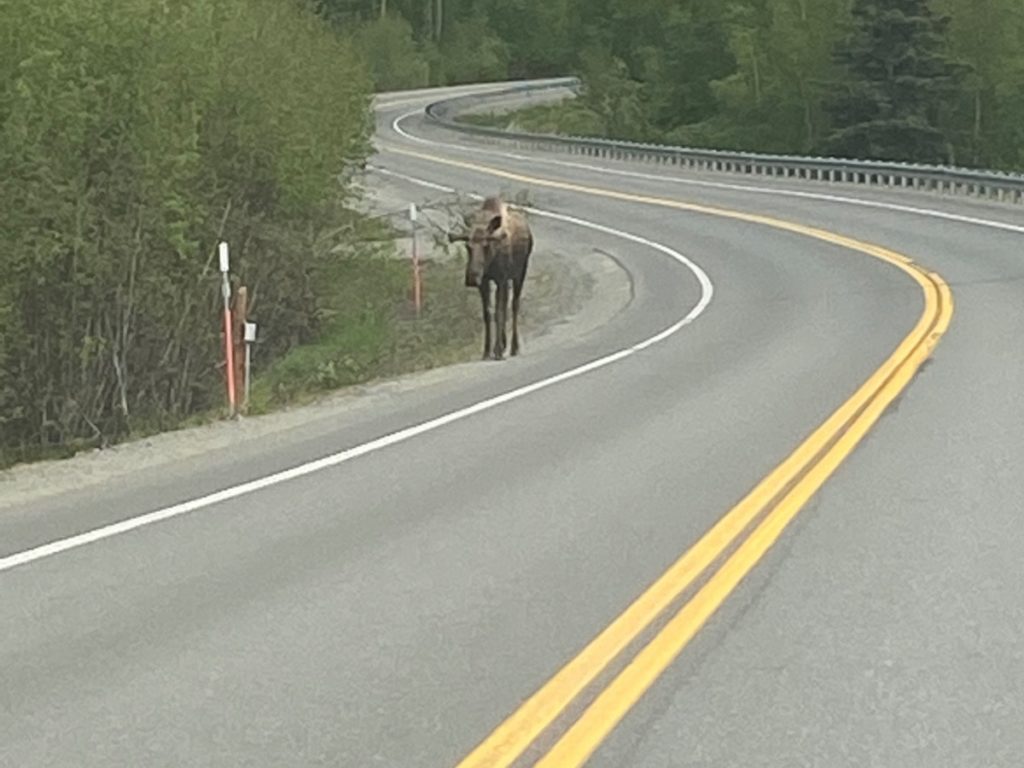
(934, 81)
(135, 134)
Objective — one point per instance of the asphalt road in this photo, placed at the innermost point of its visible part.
(394, 608)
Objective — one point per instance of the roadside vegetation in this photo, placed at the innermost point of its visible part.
(373, 332)
(133, 136)
(927, 80)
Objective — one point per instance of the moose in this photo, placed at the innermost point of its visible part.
(498, 248)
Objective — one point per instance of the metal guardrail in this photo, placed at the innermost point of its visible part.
(990, 185)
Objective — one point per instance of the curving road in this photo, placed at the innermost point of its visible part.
(463, 538)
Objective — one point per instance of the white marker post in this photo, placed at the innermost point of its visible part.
(229, 347)
(250, 339)
(417, 289)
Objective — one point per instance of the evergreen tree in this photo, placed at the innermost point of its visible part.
(898, 77)
(990, 122)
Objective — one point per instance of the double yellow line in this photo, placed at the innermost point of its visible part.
(772, 505)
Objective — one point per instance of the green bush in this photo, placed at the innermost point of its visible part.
(472, 53)
(133, 136)
(394, 59)
(372, 332)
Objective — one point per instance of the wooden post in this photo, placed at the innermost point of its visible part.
(250, 339)
(238, 318)
(417, 280)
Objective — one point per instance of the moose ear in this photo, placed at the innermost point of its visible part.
(455, 237)
(494, 225)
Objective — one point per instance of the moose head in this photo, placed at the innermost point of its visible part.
(483, 241)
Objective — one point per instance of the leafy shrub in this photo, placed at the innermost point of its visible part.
(133, 136)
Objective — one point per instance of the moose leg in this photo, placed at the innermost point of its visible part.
(517, 292)
(504, 321)
(500, 314)
(485, 301)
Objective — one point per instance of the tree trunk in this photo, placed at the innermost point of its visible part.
(757, 72)
(808, 115)
(977, 116)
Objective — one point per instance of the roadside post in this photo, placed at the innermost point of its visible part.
(417, 285)
(250, 339)
(229, 345)
(239, 315)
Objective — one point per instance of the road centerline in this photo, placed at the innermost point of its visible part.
(514, 736)
(614, 702)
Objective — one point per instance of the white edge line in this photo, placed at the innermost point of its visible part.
(930, 212)
(133, 523)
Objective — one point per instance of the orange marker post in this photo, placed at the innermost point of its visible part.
(229, 341)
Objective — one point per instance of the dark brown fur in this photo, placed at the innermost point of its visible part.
(498, 248)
